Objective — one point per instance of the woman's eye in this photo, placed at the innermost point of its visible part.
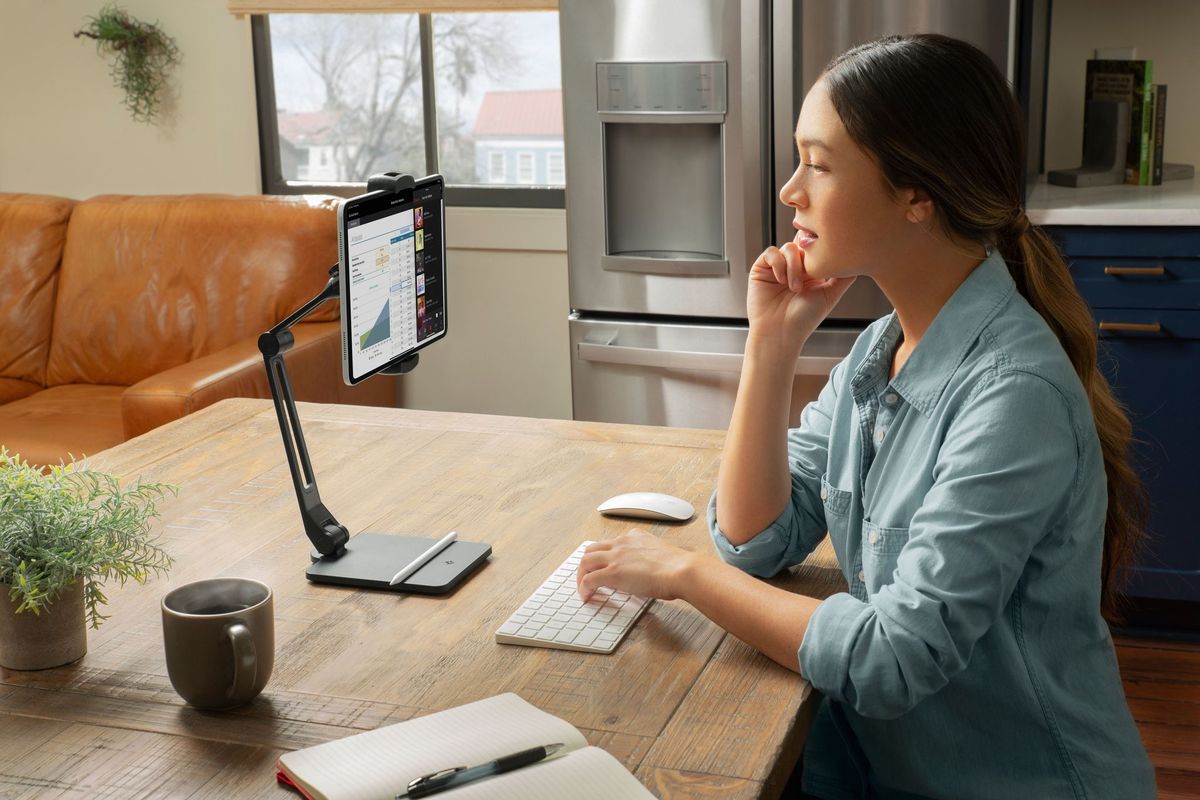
(812, 166)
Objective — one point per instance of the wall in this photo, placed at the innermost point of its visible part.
(66, 132)
(1161, 30)
(506, 349)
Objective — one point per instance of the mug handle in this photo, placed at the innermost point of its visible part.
(245, 660)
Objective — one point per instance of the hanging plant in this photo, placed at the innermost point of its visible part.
(143, 55)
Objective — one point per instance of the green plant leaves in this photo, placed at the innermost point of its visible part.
(74, 523)
(142, 57)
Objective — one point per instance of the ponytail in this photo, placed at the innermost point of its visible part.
(1042, 277)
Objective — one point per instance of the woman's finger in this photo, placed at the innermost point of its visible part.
(589, 583)
(794, 258)
(769, 266)
(778, 264)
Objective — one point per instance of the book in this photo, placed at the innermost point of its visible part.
(379, 764)
(1131, 81)
(1158, 134)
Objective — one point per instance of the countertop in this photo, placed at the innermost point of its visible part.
(1172, 203)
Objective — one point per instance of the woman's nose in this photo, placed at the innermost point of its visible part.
(792, 193)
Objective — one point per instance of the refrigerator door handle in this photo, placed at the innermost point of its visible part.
(690, 360)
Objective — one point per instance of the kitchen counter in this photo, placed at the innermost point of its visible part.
(1172, 203)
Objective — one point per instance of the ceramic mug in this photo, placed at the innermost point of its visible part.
(219, 637)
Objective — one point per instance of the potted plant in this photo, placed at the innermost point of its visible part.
(143, 55)
(62, 534)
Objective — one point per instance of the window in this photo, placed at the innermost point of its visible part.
(497, 168)
(555, 174)
(524, 167)
(345, 96)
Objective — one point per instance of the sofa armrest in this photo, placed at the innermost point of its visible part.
(314, 370)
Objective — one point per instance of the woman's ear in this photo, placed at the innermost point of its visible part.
(919, 205)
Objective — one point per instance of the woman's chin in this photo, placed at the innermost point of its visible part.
(816, 269)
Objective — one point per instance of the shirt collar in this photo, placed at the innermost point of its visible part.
(942, 349)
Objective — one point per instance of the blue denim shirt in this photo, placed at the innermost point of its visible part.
(965, 500)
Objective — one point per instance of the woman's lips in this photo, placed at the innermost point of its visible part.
(804, 237)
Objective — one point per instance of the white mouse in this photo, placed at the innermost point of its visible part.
(648, 505)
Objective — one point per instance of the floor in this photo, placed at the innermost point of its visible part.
(1162, 685)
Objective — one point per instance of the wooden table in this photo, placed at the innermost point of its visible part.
(690, 710)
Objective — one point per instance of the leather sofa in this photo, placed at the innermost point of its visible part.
(121, 313)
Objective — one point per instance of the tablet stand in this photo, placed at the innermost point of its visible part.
(367, 559)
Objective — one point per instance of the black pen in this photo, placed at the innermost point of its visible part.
(456, 776)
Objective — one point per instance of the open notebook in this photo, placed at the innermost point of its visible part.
(378, 764)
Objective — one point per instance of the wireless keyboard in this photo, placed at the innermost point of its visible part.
(554, 616)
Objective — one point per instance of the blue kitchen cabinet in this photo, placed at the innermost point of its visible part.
(1143, 286)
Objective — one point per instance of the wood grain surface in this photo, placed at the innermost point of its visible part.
(690, 710)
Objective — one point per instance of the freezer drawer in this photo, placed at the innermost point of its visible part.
(679, 375)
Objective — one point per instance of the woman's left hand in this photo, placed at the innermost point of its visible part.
(638, 563)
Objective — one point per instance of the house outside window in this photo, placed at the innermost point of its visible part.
(496, 167)
(555, 173)
(345, 96)
(525, 171)
(526, 124)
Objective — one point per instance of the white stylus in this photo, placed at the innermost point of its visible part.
(424, 558)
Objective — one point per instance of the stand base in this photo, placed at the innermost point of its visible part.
(372, 559)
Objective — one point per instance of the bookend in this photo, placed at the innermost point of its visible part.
(367, 560)
(1105, 138)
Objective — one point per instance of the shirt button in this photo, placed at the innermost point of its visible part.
(874, 537)
(824, 493)
(862, 577)
(879, 436)
(890, 398)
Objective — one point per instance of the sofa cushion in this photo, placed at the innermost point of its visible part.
(148, 283)
(32, 230)
(87, 416)
(14, 389)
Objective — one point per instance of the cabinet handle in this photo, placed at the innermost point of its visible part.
(1140, 327)
(1132, 271)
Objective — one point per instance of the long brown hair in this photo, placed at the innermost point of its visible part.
(936, 114)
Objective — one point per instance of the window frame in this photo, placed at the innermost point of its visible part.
(273, 182)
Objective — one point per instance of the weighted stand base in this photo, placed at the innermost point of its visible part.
(371, 559)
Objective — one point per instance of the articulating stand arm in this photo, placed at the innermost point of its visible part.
(327, 535)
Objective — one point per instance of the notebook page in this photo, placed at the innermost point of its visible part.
(587, 774)
(378, 764)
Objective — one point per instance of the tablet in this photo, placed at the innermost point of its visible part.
(392, 272)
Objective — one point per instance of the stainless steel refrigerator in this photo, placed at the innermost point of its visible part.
(678, 120)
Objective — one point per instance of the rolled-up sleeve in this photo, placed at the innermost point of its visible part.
(1003, 480)
(801, 525)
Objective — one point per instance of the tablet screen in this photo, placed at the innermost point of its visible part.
(392, 271)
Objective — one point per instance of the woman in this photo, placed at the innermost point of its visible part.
(967, 459)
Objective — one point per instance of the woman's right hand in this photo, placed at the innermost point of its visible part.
(786, 304)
